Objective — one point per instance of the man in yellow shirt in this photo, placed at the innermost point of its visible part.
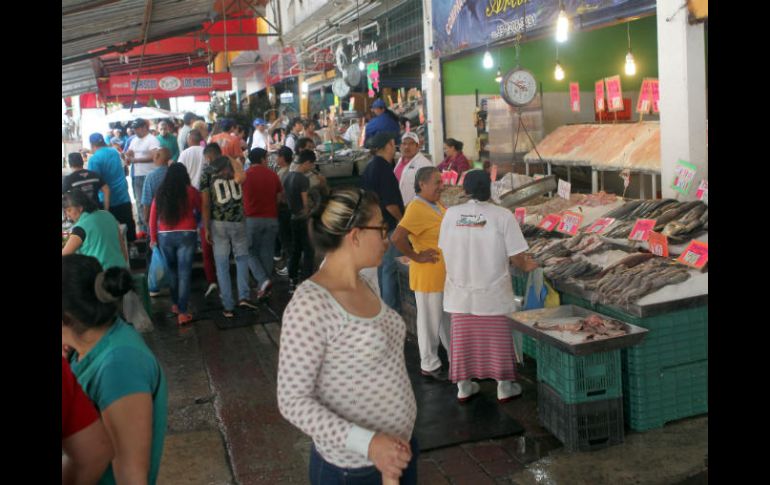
(420, 226)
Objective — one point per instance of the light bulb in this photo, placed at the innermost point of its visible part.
(630, 64)
(361, 65)
(499, 76)
(305, 87)
(488, 62)
(562, 26)
(558, 73)
(429, 74)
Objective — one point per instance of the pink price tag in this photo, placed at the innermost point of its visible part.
(449, 177)
(614, 93)
(655, 90)
(462, 178)
(520, 213)
(641, 230)
(703, 191)
(695, 255)
(658, 244)
(600, 225)
(550, 222)
(570, 223)
(599, 95)
(574, 97)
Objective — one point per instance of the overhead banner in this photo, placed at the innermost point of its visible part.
(170, 84)
(459, 25)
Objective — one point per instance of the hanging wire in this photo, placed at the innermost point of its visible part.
(628, 31)
(358, 21)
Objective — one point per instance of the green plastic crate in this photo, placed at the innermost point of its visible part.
(519, 283)
(529, 346)
(652, 399)
(579, 379)
(140, 286)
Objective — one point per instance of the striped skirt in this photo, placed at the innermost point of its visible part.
(481, 348)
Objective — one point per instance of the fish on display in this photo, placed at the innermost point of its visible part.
(593, 327)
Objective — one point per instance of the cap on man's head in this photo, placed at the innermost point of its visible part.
(478, 185)
(410, 136)
(378, 103)
(189, 117)
(259, 122)
(379, 140)
(139, 122)
(96, 139)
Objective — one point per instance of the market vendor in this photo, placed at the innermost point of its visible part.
(96, 232)
(420, 226)
(384, 120)
(478, 241)
(410, 162)
(455, 158)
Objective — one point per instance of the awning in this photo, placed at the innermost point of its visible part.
(78, 78)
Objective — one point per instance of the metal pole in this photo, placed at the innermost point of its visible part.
(642, 192)
(594, 180)
(654, 186)
(569, 173)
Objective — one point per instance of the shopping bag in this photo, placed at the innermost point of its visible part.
(157, 275)
(536, 291)
(135, 314)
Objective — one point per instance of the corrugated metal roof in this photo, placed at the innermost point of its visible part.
(78, 78)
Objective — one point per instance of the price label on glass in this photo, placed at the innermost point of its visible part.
(600, 225)
(684, 174)
(550, 222)
(564, 189)
(641, 230)
(695, 255)
(570, 223)
(520, 213)
(658, 244)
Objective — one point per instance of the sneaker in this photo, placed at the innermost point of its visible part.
(438, 374)
(276, 258)
(282, 271)
(507, 391)
(183, 318)
(247, 305)
(462, 397)
(212, 287)
(264, 289)
(154, 293)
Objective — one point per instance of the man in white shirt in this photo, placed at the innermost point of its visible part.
(259, 137)
(410, 162)
(192, 158)
(140, 154)
(353, 133)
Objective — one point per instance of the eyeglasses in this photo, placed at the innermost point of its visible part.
(383, 229)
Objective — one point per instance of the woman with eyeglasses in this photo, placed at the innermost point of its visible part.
(341, 373)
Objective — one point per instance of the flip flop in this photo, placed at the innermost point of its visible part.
(228, 314)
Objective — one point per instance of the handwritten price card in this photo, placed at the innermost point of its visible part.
(655, 90)
(570, 223)
(658, 244)
(574, 97)
(520, 214)
(449, 177)
(684, 174)
(644, 105)
(550, 222)
(703, 191)
(564, 189)
(696, 254)
(600, 225)
(599, 95)
(614, 93)
(641, 230)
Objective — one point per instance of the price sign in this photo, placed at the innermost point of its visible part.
(564, 189)
(703, 191)
(655, 90)
(493, 173)
(626, 176)
(696, 254)
(614, 93)
(658, 244)
(600, 225)
(684, 174)
(449, 177)
(645, 98)
(574, 97)
(520, 213)
(599, 95)
(550, 222)
(570, 223)
(641, 230)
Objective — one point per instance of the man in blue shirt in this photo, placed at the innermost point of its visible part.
(378, 177)
(107, 163)
(384, 120)
(161, 159)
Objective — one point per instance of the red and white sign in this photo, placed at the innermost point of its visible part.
(171, 84)
(641, 230)
(574, 97)
(462, 178)
(520, 213)
(600, 225)
(644, 104)
(614, 93)
(703, 191)
(550, 222)
(570, 223)
(696, 254)
(599, 96)
(449, 177)
(658, 244)
(564, 189)
(655, 90)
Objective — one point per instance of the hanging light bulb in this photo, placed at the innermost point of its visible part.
(562, 24)
(429, 74)
(361, 65)
(558, 73)
(305, 87)
(630, 64)
(488, 62)
(499, 76)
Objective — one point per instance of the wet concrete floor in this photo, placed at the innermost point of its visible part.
(224, 426)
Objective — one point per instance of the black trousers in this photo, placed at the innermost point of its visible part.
(283, 244)
(300, 247)
(124, 215)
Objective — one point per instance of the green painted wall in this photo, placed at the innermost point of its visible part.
(586, 57)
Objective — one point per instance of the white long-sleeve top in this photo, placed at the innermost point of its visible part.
(342, 378)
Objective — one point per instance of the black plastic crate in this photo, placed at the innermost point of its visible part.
(585, 426)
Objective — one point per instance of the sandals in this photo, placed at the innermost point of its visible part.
(228, 314)
(183, 318)
(247, 305)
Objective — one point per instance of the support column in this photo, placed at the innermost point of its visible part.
(594, 181)
(682, 74)
(431, 90)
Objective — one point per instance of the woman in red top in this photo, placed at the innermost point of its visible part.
(455, 159)
(173, 227)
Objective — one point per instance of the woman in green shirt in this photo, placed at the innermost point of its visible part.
(114, 367)
(96, 232)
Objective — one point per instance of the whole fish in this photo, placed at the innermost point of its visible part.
(624, 210)
(629, 261)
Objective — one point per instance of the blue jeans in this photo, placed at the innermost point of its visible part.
(138, 183)
(226, 235)
(178, 248)
(324, 473)
(387, 274)
(261, 233)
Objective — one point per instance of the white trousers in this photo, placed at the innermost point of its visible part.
(432, 328)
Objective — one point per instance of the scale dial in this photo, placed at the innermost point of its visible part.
(518, 87)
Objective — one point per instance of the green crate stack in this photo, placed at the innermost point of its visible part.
(519, 283)
(529, 346)
(140, 286)
(580, 378)
(655, 398)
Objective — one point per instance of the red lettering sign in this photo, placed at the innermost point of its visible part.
(171, 84)
(599, 96)
(696, 254)
(550, 222)
(658, 244)
(614, 94)
(641, 230)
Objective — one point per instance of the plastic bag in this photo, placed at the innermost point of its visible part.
(135, 314)
(157, 274)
